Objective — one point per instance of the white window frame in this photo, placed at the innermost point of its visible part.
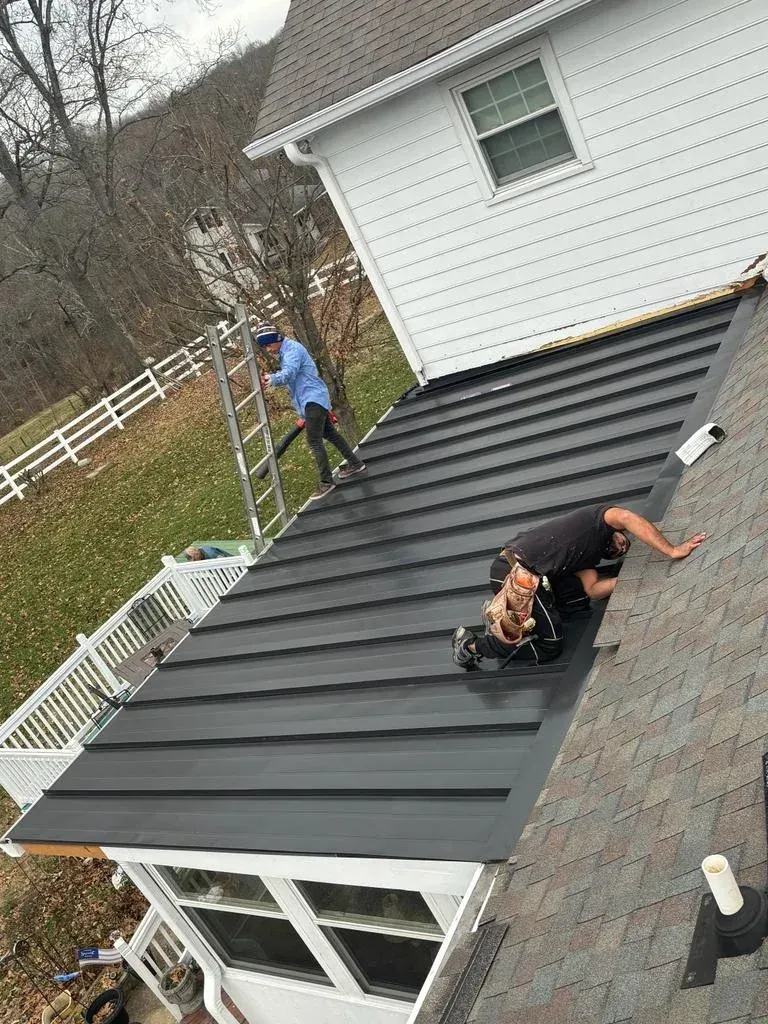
(541, 49)
(293, 906)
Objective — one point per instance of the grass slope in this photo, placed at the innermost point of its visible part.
(38, 428)
(73, 555)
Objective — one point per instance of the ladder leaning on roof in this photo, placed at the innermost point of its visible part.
(254, 402)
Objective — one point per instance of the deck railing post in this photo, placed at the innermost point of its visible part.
(186, 588)
(87, 644)
(135, 962)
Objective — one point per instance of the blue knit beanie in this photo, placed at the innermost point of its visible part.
(267, 334)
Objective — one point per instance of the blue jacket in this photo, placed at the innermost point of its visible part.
(299, 374)
(212, 552)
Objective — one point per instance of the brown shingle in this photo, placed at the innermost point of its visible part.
(349, 45)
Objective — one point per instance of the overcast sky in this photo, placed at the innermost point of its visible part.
(256, 19)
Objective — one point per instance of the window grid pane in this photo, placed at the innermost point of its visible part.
(508, 97)
(381, 908)
(219, 887)
(385, 965)
(541, 142)
(269, 944)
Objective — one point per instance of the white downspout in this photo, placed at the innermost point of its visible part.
(306, 158)
(212, 974)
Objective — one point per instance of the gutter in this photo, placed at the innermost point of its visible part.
(467, 51)
(304, 157)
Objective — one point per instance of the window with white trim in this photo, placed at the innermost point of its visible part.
(387, 938)
(361, 939)
(517, 122)
(243, 922)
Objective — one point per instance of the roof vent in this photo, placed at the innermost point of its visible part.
(698, 443)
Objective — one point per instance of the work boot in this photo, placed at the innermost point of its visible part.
(321, 490)
(460, 652)
(348, 471)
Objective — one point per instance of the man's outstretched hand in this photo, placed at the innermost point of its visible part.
(684, 549)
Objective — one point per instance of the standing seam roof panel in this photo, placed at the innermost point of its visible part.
(316, 709)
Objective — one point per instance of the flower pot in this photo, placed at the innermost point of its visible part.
(60, 1009)
(182, 984)
(112, 997)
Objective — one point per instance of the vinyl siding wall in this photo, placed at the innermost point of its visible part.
(266, 1002)
(670, 97)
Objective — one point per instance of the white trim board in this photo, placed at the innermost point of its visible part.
(442, 877)
(468, 50)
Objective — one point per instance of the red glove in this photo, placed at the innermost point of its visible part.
(331, 416)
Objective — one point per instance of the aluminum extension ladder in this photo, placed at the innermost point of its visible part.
(254, 401)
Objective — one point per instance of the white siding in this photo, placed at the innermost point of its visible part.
(269, 1002)
(670, 97)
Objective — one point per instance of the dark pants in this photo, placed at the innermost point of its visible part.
(546, 641)
(319, 428)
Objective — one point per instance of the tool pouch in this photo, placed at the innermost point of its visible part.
(508, 615)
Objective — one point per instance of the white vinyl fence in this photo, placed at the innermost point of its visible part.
(42, 737)
(66, 442)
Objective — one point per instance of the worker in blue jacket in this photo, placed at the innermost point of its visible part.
(311, 401)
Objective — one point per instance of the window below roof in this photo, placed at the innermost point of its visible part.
(385, 965)
(516, 122)
(364, 940)
(359, 904)
(219, 887)
(247, 941)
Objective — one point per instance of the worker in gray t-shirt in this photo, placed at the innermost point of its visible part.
(572, 545)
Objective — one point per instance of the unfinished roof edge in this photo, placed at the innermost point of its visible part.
(448, 769)
(469, 49)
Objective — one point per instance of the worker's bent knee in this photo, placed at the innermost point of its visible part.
(549, 649)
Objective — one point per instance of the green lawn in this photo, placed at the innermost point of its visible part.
(74, 554)
(38, 428)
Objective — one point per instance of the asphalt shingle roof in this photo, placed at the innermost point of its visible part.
(316, 709)
(334, 49)
(663, 765)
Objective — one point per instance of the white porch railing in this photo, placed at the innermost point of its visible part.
(150, 951)
(43, 736)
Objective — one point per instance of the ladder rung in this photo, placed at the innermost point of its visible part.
(266, 494)
(245, 401)
(273, 521)
(260, 465)
(252, 433)
(236, 367)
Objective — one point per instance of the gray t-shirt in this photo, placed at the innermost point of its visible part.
(559, 547)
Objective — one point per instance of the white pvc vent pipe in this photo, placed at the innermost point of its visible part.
(725, 889)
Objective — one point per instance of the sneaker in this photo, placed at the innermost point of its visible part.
(462, 656)
(348, 471)
(321, 491)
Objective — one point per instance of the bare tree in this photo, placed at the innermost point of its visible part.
(70, 71)
(103, 175)
(279, 226)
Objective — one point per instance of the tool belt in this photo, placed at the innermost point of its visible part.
(508, 614)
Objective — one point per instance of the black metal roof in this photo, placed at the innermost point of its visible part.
(316, 710)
